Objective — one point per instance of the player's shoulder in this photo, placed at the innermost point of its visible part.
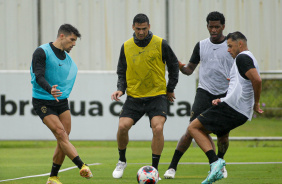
(243, 57)
(206, 40)
(39, 52)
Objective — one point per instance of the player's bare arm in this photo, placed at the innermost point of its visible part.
(187, 69)
(115, 96)
(254, 77)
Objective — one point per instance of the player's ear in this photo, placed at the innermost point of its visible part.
(61, 36)
(240, 43)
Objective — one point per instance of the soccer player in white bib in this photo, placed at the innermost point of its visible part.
(233, 110)
(214, 71)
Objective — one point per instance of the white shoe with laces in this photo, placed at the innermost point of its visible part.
(118, 172)
(224, 172)
(169, 174)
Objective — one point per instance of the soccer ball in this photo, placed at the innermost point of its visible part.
(147, 175)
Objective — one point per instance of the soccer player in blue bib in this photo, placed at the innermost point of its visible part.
(53, 74)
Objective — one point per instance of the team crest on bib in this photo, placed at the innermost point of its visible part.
(44, 109)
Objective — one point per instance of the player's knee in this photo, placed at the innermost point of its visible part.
(223, 139)
(187, 136)
(61, 134)
(157, 130)
(123, 128)
(190, 130)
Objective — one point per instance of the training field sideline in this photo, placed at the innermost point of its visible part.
(247, 162)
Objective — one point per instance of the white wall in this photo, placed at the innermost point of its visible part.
(259, 20)
(106, 24)
(18, 33)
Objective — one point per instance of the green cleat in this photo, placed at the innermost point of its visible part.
(216, 172)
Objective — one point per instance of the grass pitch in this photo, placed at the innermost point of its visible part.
(29, 158)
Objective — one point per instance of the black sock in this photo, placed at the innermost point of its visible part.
(155, 160)
(175, 159)
(220, 154)
(122, 155)
(78, 162)
(211, 156)
(55, 169)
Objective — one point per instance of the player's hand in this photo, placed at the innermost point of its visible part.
(170, 96)
(115, 96)
(257, 108)
(55, 92)
(216, 101)
(181, 65)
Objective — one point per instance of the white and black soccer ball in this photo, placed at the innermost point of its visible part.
(147, 175)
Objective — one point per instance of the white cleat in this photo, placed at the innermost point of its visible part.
(224, 172)
(118, 172)
(160, 178)
(169, 174)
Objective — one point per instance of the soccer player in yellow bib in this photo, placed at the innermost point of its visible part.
(141, 73)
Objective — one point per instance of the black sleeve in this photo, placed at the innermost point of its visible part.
(195, 57)
(244, 63)
(38, 67)
(121, 71)
(172, 65)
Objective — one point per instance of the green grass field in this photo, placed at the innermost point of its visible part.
(28, 158)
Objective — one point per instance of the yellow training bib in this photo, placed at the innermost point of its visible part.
(145, 74)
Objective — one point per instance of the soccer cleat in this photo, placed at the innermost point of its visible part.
(169, 174)
(160, 178)
(53, 180)
(85, 172)
(215, 173)
(224, 172)
(206, 182)
(118, 172)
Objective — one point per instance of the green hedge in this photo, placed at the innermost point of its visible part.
(271, 98)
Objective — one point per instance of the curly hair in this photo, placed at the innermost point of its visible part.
(215, 16)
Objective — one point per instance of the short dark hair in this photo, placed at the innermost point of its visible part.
(236, 36)
(140, 18)
(68, 29)
(215, 16)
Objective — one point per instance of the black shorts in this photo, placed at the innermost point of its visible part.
(135, 108)
(203, 101)
(46, 107)
(221, 118)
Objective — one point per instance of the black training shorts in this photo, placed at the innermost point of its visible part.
(135, 108)
(46, 107)
(221, 118)
(203, 101)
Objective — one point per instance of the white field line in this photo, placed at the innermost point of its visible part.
(187, 163)
(46, 174)
(205, 163)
